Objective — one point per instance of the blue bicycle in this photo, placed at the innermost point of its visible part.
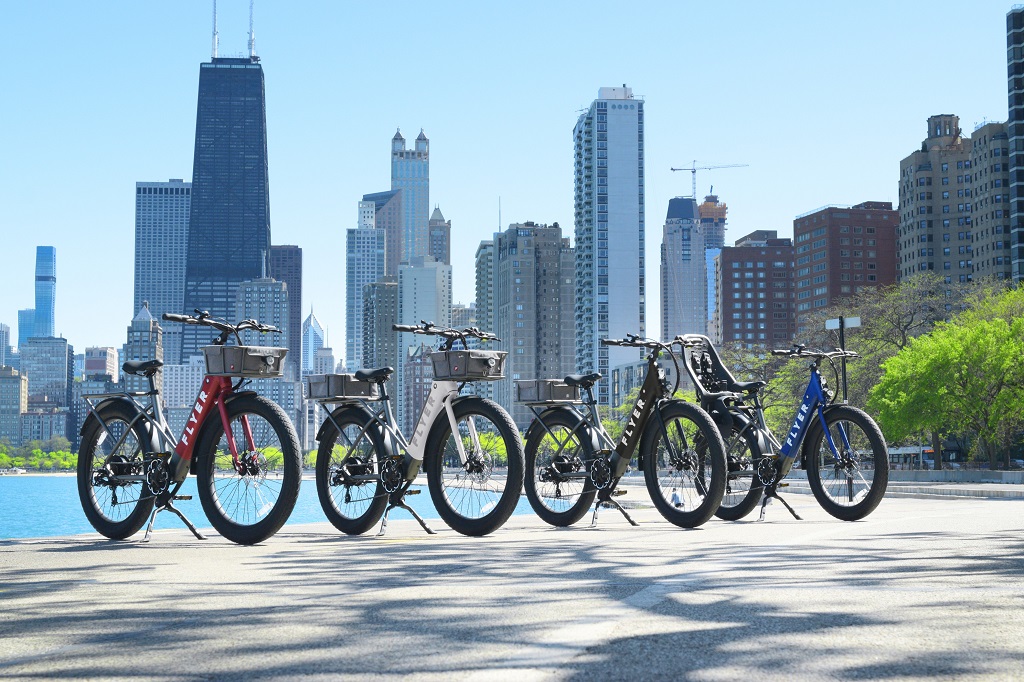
(841, 447)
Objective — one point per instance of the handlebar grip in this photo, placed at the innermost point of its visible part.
(776, 351)
(404, 327)
(174, 317)
(611, 342)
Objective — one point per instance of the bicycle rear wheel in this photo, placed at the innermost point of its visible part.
(849, 482)
(116, 508)
(684, 463)
(249, 501)
(348, 479)
(743, 488)
(475, 496)
(558, 459)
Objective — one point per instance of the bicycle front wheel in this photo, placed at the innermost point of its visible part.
(558, 458)
(248, 498)
(684, 463)
(348, 471)
(117, 508)
(849, 470)
(743, 488)
(475, 474)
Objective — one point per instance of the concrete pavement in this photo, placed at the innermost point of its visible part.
(923, 588)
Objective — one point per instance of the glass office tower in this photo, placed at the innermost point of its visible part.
(229, 225)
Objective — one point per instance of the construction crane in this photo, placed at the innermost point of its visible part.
(694, 168)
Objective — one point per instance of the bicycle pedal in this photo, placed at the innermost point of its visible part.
(782, 485)
(417, 491)
(182, 497)
(619, 493)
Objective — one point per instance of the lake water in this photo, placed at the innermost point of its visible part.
(48, 506)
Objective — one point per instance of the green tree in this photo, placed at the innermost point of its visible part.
(965, 376)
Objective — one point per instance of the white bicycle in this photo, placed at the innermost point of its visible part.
(468, 446)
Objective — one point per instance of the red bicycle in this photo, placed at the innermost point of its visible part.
(241, 447)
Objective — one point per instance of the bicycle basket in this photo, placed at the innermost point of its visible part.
(546, 391)
(244, 361)
(321, 386)
(468, 365)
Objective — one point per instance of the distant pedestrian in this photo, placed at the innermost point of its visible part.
(676, 502)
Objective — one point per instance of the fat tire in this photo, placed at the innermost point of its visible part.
(880, 460)
(92, 432)
(434, 461)
(735, 512)
(571, 422)
(358, 524)
(708, 440)
(242, 533)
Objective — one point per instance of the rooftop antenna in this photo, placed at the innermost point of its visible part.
(252, 33)
(215, 38)
(499, 213)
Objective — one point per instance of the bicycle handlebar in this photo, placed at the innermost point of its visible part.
(429, 329)
(799, 351)
(203, 318)
(633, 341)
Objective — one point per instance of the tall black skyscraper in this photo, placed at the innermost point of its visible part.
(1015, 78)
(229, 225)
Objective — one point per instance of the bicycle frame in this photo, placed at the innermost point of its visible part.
(812, 408)
(215, 390)
(442, 397)
(652, 392)
(812, 404)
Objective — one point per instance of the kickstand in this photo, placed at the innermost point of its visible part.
(402, 505)
(169, 506)
(614, 505)
(772, 494)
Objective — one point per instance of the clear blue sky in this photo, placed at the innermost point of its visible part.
(822, 100)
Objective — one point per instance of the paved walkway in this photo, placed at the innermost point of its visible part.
(923, 588)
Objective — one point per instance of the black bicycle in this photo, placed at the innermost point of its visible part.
(571, 459)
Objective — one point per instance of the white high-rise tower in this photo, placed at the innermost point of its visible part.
(609, 201)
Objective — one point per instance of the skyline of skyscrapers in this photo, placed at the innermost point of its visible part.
(609, 219)
(607, 139)
(229, 224)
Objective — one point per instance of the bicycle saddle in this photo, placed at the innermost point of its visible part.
(747, 386)
(379, 374)
(142, 368)
(583, 380)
